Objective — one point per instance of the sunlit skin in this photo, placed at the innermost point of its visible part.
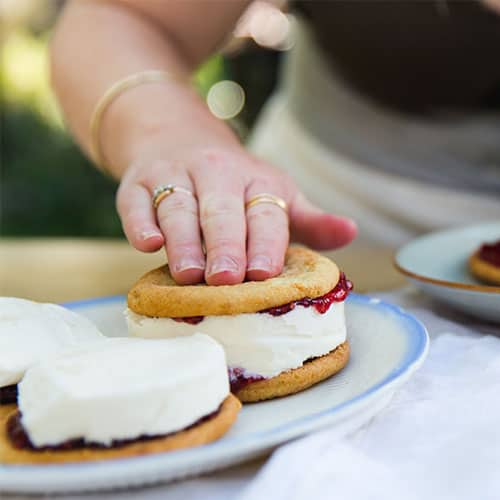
(164, 133)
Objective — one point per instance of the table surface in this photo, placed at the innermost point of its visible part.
(60, 270)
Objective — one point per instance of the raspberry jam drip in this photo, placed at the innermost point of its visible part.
(190, 320)
(321, 304)
(21, 441)
(490, 252)
(8, 394)
(239, 379)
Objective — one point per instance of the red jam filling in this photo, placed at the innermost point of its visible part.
(321, 304)
(239, 379)
(191, 320)
(20, 439)
(490, 252)
(8, 394)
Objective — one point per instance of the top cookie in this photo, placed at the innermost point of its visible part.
(306, 274)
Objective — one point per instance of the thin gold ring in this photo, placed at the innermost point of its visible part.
(162, 191)
(267, 198)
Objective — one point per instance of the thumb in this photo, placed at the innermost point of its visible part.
(318, 229)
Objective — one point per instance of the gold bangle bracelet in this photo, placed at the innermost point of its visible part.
(129, 82)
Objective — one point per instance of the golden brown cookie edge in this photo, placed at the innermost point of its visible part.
(483, 270)
(156, 295)
(6, 410)
(200, 434)
(298, 379)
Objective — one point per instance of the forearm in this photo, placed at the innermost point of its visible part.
(98, 43)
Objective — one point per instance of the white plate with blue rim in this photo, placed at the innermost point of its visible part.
(437, 264)
(387, 346)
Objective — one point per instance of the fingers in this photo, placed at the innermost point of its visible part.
(174, 223)
(133, 204)
(177, 215)
(222, 219)
(267, 234)
(238, 244)
(318, 229)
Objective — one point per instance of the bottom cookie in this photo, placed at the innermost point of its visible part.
(298, 379)
(4, 411)
(199, 434)
(484, 270)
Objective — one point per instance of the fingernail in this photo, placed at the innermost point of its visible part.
(222, 264)
(186, 263)
(260, 263)
(146, 235)
(351, 223)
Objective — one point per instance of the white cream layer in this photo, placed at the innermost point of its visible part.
(31, 331)
(123, 389)
(259, 343)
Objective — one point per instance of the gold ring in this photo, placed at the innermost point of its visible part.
(164, 190)
(267, 198)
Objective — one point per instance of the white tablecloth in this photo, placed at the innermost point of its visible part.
(438, 439)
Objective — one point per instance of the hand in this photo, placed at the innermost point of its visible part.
(238, 245)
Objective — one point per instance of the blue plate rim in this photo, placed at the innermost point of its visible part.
(418, 345)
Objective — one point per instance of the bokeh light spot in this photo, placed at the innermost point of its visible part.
(267, 25)
(270, 29)
(226, 99)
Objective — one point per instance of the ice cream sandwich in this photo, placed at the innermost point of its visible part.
(120, 398)
(281, 335)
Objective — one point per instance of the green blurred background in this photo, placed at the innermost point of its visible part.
(47, 187)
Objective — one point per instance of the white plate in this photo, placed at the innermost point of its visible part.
(437, 263)
(387, 346)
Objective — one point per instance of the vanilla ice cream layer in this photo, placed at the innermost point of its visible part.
(123, 389)
(31, 331)
(259, 343)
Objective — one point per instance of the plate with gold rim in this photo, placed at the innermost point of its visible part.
(437, 263)
(387, 346)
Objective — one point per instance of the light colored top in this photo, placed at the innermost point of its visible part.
(397, 177)
(451, 149)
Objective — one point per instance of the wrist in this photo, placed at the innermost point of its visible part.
(160, 121)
